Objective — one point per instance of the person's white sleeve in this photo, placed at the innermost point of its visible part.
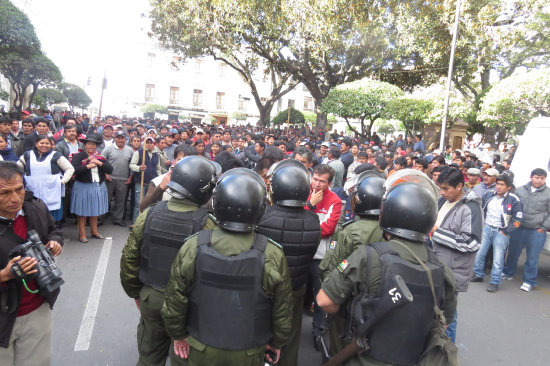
(67, 169)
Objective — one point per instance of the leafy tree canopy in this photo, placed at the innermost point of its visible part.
(362, 100)
(154, 108)
(514, 101)
(35, 69)
(239, 116)
(16, 31)
(296, 117)
(76, 96)
(45, 98)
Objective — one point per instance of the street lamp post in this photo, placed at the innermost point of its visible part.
(449, 77)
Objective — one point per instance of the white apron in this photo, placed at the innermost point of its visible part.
(43, 183)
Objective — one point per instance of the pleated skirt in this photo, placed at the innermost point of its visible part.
(89, 199)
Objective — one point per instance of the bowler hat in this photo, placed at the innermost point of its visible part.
(92, 137)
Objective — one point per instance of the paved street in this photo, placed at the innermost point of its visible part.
(510, 327)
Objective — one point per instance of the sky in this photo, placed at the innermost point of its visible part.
(89, 38)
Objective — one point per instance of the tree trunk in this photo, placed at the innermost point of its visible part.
(32, 94)
(265, 114)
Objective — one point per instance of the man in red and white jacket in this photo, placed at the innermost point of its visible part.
(328, 206)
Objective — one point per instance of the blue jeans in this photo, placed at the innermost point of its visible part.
(451, 329)
(533, 242)
(492, 237)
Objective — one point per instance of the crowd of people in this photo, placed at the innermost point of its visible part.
(327, 195)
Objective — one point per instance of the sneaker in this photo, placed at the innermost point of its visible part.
(526, 287)
(507, 278)
(492, 287)
(476, 279)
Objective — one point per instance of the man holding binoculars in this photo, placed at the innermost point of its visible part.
(27, 291)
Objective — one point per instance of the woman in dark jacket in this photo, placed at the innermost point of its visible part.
(89, 196)
(6, 153)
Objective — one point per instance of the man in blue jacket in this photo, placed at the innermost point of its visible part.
(503, 214)
(535, 198)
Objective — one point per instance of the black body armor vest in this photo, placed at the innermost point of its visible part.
(400, 338)
(164, 234)
(299, 232)
(228, 308)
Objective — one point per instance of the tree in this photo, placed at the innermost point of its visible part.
(296, 117)
(76, 96)
(362, 100)
(35, 70)
(239, 116)
(16, 31)
(483, 50)
(47, 97)
(197, 28)
(515, 100)
(411, 112)
(151, 109)
(384, 127)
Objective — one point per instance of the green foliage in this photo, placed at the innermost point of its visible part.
(45, 98)
(76, 96)
(4, 95)
(22, 71)
(385, 128)
(514, 101)
(239, 116)
(16, 31)
(296, 117)
(154, 108)
(197, 28)
(362, 100)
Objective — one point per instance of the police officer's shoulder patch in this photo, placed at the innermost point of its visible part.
(275, 243)
(342, 266)
(212, 218)
(333, 244)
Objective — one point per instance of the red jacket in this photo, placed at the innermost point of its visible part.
(329, 211)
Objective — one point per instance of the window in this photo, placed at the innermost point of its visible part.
(149, 92)
(198, 65)
(151, 58)
(220, 100)
(291, 103)
(221, 68)
(243, 104)
(174, 95)
(197, 98)
(308, 104)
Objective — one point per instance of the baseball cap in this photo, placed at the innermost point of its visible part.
(152, 129)
(199, 130)
(120, 133)
(474, 171)
(486, 146)
(25, 113)
(174, 131)
(326, 144)
(107, 125)
(149, 138)
(492, 172)
(118, 126)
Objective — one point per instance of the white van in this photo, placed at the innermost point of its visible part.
(533, 152)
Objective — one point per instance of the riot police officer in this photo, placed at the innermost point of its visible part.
(408, 212)
(365, 201)
(299, 232)
(229, 294)
(158, 233)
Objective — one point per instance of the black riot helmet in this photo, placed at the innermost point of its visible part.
(408, 211)
(290, 185)
(239, 201)
(193, 177)
(368, 194)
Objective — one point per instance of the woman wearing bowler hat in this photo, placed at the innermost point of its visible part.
(89, 196)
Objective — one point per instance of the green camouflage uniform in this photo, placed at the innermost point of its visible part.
(276, 285)
(153, 341)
